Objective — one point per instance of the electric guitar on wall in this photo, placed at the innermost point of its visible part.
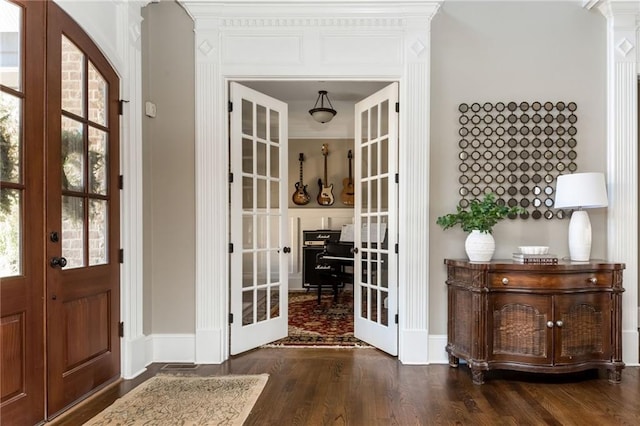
(347, 195)
(301, 196)
(325, 197)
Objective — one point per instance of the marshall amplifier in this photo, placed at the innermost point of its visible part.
(313, 244)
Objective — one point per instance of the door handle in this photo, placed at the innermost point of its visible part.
(58, 262)
(354, 250)
(286, 249)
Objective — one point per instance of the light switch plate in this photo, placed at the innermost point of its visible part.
(150, 109)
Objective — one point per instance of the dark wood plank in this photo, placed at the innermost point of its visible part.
(367, 387)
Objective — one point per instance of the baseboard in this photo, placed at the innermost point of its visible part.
(136, 356)
(630, 347)
(437, 352)
(173, 347)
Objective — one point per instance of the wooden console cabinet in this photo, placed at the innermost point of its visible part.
(555, 318)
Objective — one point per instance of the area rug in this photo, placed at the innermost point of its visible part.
(185, 400)
(329, 324)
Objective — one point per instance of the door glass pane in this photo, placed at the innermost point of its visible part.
(247, 117)
(364, 162)
(374, 159)
(364, 192)
(98, 232)
(384, 156)
(274, 160)
(373, 310)
(274, 119)
(261, 157)
(97, 96)
(73, 231)
(364, 128)
(384, 310)
(10, 232)
(11, 45)
(373, 128)
(262, 304)
(275, 194)
(384, 270)
(262, 228)
(72, 73)
(98, 161)
(247, 307)
(262, 272)
(72, 148)
(364, 302)
(261, 122)
(247, 155)
(384, 194)
(374, 195)
(261, 192)
(275, 267)
(275, 301)
(247, 269)
(274, 229)
(384, 118)
(10, 138)
(247, 232)
(247, 193)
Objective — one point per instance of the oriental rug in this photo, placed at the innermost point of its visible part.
(328, 324)
(185, 400)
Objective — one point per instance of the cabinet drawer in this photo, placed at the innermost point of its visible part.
(510, 279)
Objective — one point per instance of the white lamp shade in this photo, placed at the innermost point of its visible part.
(581, 190)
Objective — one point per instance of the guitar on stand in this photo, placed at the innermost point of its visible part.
(301, 196)
(325, 197)
(347, 194)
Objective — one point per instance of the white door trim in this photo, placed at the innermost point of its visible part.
(352, 40)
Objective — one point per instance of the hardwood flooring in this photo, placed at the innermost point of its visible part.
(367, 387)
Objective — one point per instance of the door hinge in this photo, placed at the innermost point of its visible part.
(397, 106)
(230, 106)
(230, 247)
(121, 103)
(121, 255)
(397, 318)
(397, 178)
(121, 329)
(121, 182)
(230, 318)
(396, 248)
(230, 177)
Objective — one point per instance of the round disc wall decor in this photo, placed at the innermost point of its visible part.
(518, 143)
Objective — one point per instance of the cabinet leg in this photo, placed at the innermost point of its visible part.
(454, 361)
(615, 376)
(477, 376)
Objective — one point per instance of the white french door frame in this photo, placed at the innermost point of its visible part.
(304, 40)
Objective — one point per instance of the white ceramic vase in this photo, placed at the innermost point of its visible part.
(480, 246)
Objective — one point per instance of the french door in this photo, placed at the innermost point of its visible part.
(60, 279)
(376, 209)
(259, 229)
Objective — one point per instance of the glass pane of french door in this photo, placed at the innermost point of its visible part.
(258, 219)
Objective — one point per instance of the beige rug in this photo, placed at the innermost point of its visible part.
(185, 400)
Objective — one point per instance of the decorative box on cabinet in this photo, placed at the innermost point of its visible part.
(537, 318)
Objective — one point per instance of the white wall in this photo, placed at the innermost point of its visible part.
(169, 164)
(500, 51)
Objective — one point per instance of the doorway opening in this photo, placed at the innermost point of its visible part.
(321, 152)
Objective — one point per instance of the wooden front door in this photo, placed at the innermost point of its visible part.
(59, 211)
(22, 261)
(82, 221)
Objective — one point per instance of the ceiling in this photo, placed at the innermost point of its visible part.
(307, 90)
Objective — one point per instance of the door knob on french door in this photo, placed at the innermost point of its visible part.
(286, 249)
(58, 262)
(354, 250)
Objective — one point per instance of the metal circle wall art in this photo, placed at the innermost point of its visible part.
(516, 150)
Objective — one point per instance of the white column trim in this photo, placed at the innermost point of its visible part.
(623, 66)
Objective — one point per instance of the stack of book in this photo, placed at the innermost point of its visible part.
(535, 258)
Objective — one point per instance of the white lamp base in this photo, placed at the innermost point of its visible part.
(580, 236)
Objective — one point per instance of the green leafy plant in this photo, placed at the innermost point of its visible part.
(482, 215)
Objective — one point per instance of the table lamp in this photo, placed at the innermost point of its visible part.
(580, 191)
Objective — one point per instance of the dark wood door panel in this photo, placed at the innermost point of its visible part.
(12, 358)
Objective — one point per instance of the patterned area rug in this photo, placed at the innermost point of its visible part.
(327, 324)
(185, 400)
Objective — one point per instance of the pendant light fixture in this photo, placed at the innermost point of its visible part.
(321, 113)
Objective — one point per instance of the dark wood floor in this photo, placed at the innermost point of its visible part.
(367, 387)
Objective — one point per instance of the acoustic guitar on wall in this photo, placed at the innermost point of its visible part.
(301, 196)
(325, 197)
(347, 194)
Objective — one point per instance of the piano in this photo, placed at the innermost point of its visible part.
(334, 266)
